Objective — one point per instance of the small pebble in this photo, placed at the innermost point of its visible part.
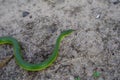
(98, 16)
(115, 1)
(25, 13)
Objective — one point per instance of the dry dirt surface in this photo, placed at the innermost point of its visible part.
(92, 52)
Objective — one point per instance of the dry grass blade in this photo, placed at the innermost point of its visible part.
(5, 61)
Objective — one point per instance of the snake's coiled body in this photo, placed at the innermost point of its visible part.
(33, 67)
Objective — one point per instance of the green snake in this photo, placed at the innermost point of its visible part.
(38, 66)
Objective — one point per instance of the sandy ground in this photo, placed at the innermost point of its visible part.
(36, 24)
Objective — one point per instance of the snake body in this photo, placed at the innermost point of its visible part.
(38, 66)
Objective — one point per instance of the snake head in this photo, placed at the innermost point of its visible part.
(67, 32)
